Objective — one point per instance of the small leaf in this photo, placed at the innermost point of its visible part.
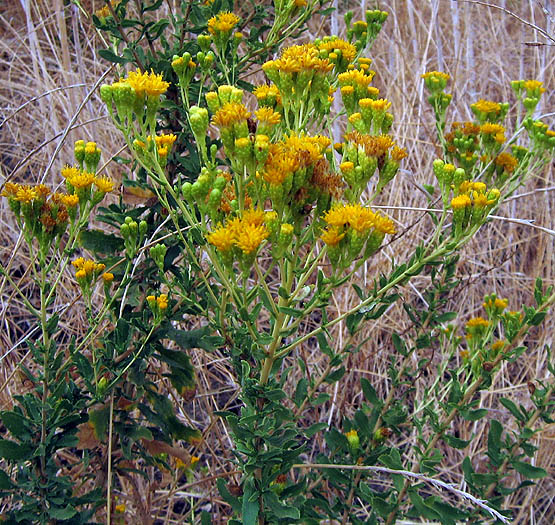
(99, 242)
(62, 513)
(109, 55)
(513, 409)
(11, 450)
(530, 471)
(250, 503)
(474, 415)
(456, 442)
(370, 392)
(5, 481)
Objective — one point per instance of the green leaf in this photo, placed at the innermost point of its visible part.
(279, 509)
(301, 391)
(109, 55)
(17, 424)
(494, 441)
(99, 420)
(399, 344)
(205, 518)
(370, 393)
(456, 442)
(249, 507)
(313, 429)
(530, 471)
(392, 459)
(99, 242)
(293, 312)
(187, 339)
(5, 481)
(474, 415)
(513, 409)
(11, 450)
(446, 317)
(62, 513)
(421, 507)
(336, 375)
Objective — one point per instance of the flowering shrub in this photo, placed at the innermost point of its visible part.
(272, 196)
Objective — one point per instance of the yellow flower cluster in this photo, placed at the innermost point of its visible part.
(86, 270)
(160, 302)
(104, 12)
(78, 179)
(246, 233)
(497, 131)
(267, 95)
(296, 59)
(359, 218)
(144, 83)
(506, 162)
(229, 114)
(223, 22)
(351, 227)
(339, 51)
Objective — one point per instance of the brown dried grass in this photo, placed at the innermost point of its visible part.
(48, 68)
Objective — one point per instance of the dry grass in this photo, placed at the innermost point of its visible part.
(48, 68)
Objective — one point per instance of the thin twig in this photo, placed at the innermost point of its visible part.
(436, 482)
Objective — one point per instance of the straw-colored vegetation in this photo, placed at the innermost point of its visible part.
(50, 71)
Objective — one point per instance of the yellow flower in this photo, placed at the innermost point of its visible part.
(506, 161)
(10, 190)
(295, 59)
(25, 194)
(250, 236)
(165, 139)
(82, 180)
(348, 51)
(104, 184)
(436, 74)
(486, 106)
(162, 301)
(498, 345)
(70, 201)
(264, 92)
(107, 277)
(147, 83)
(384, 224)
(70, 171)
(229, 114)
(120, 508)
(477, 322)
(332, 236)
(222, 238)
(356, 77)
(253, 216)
(534, 86)
(268, 115)
(42, 191)
(460, 202)
(222, 23)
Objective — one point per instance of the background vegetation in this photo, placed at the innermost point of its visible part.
(50, 66)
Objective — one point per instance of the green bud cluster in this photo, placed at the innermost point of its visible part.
(158, 254)
(133, 234)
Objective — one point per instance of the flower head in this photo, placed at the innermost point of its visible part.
(223, 22)
(149, 84)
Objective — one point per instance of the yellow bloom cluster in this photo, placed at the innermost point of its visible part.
(78, 179)
(104, 12)
(145, 83)
(86, 270)
(230, 114)
(359, 218)
(351, 227)
(245, 233)
(161, 302)
(223, 22)
(497, 131)
(296, 59)
(339, 51)
(267, 95)
(506, 162)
